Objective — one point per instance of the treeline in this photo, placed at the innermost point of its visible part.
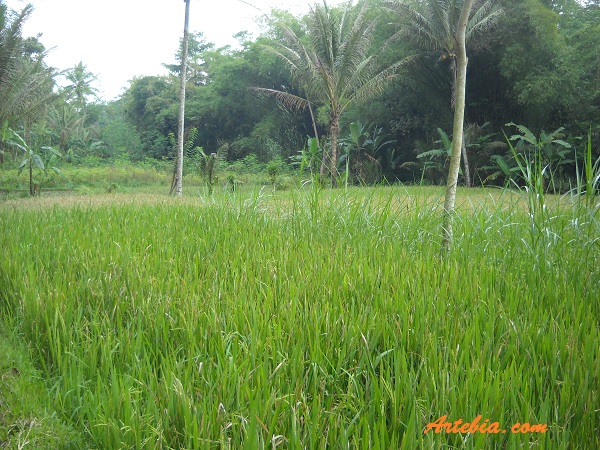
(534, 63)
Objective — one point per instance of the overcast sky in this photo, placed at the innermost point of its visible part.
(119, 39)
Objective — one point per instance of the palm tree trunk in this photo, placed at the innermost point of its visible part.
(312, 118)
(454, 70)
(181, 122)
(459, 116)
(31, 175)
(324, 154)
(465, 160)
(334, 132)
(465, 157)
(30, 151)
(323, 165)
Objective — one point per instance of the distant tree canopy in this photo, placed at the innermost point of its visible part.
(539, 66)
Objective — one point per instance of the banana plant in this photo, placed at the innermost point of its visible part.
(550, 147)
(32, 159)
(548, 153)
(309, 158)
(208, 164)
(364, 151)
(437, 159)
(437, 153)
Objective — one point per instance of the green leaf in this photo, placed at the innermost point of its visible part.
(313, 145)
(445, 140)
(379, 142)
(23, 164)
(502, 164)
(38, 162)
(5, 131)
(21, 142)
(433, 153)
(526, 135)
(561, 142)
(19, 146)
(53, 151)
(356, 131)
(381, 356)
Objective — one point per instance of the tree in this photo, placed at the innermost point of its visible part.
(32, 158)
(151, 106)
(81, 87)
(115, 132)
(432, 25)
(335, 65)
(459, 116)
(365, 151)
(178, 182)
(67, 124)
(196, 63)
(26, 83)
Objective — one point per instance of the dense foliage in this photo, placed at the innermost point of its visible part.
(532, 62)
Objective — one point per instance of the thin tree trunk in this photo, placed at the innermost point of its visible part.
(465, 159)
(27, 137)
(454, 69)
(323, 165)
(181, 122)
(314, 124)
(30, 174)
(459, 116)
(334, 131)
(324, 154)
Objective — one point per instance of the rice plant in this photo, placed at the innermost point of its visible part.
(307, 319)
(588, 178)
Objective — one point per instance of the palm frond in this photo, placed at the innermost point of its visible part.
(290, 101)
(416, 23)
(25, 83)
(354, 47)
(484, 17)
(432, 23)
(376, 83)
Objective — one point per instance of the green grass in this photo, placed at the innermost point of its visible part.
(309, 319)
(92, 180)
(126, 177)
(28, 419)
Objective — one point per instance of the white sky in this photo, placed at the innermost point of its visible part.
(120, 39)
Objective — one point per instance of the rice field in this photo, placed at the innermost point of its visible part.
(310, 318)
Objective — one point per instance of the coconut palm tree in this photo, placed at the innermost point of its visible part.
(10, 39)
(459, 116)
(25, 81)
(432, 25)
(334, 64)
(80, 87)
(67, 123)
(177, 187)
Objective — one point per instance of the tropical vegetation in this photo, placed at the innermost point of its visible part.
(295, 295)
(530, 62)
